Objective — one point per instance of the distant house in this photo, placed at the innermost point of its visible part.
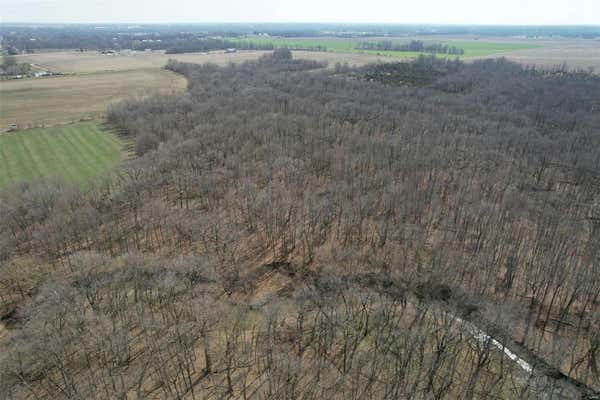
(232, 50)
(41, 74)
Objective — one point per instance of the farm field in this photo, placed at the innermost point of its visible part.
(76, 153)
(54, 100)
(94, 81)
(575, 53)
(472, 48)
(73, 62)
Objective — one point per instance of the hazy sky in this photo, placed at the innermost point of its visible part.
(391, 11)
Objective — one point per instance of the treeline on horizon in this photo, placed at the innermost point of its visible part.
(417, 46)
(22, 38)
(209, 44)
(291, 231)
(188, 43)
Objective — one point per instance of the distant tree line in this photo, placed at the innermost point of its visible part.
(20, 38)
(11, 67)
(210, 44)
(82, 35)
(172, 43)
(416, 46)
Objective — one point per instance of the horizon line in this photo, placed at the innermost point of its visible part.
(439, 24)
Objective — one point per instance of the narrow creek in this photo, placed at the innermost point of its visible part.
(543, 377)
(483, 337)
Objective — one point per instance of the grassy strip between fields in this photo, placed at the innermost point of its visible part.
(76, 153)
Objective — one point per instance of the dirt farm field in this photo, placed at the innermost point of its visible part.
(575, 53)
(73, 62)
(54, 100)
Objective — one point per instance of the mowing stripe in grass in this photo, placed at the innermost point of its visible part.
(89, 153)
(48, 158)
(77, 152)
(76, 156)
(5, 163)
(23, 153)
(92, 147)
(53, 157)
(109, 148)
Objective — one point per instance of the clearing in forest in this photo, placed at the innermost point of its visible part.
(76, 153)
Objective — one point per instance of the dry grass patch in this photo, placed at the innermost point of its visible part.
(38, 102)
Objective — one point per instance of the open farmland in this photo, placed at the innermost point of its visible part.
(76, 153)
(73, 62)
(472, 48)
(47, 101)
(575, 53)
(93, 81)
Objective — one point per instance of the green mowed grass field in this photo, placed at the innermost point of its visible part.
(77, 153)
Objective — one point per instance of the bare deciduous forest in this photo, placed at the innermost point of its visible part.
(289, 231)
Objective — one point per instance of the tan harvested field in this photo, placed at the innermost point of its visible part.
(90, 62)
(54, 100)
(575, 53)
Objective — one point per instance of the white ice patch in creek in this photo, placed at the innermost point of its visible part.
(483, 337)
